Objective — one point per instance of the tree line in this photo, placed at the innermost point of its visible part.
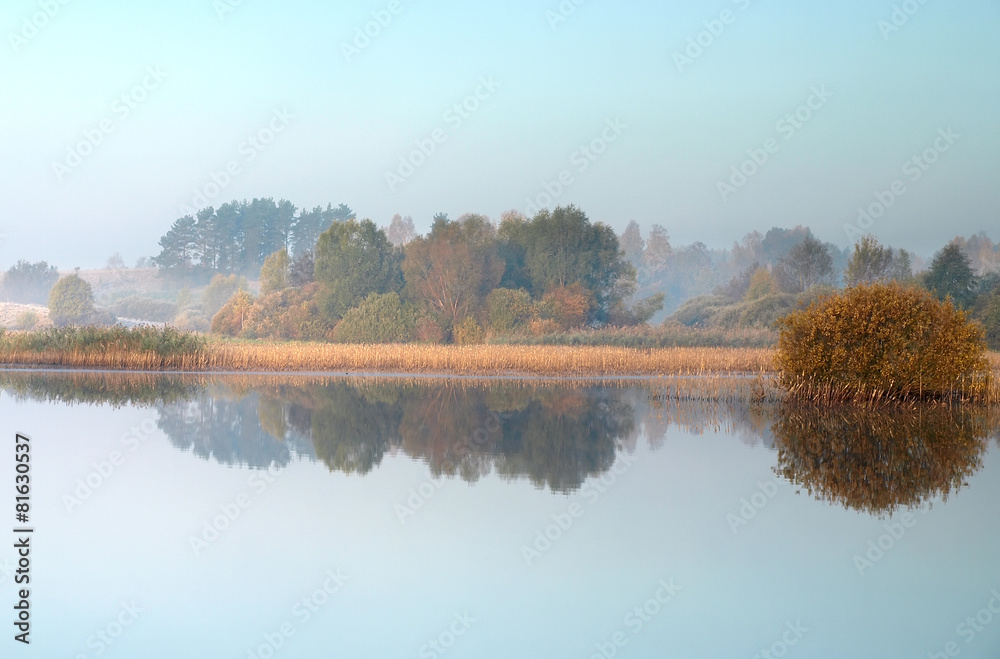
(465, 278)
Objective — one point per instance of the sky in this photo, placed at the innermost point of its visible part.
(711, 119)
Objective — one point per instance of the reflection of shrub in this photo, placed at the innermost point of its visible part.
(380, 318)
(877, 461)
(144, 308)
(880, 341)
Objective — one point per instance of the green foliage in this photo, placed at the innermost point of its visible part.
(508, 310)
(165, 342)
(380, 318)
(143, 308)
(219, 291)
(880, 342)
(562, 247)
(71, 302)
(951, 275)
(274, 274)
(353, 260)
(28, 283)
(467, 332)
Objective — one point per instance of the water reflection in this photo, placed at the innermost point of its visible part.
(878, 461)
(555, 434)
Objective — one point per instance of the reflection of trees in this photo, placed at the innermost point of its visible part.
(877, 461)
(353, 427)
(561, 439)
(553, 435)
(221, 425)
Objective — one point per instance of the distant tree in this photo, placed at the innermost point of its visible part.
(454, 267)
(353, 260)
(143, 262)
(308, 226)
(274, 274)
(632, 243)
(562, 247)
(761, 285)
(179, 247)
(807, 264)
(870, 263)
(71, 302)
(115, 262)
(951, 275)
(29, 283)
(401, 230)
(902, 266)
(302, 270)
(737, 287)
(658, 249)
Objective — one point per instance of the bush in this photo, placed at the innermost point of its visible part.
(881, 342)
(26, 320)
(380, 318)
(191, 320)
(71, 302)
(232, 317)
(144, 308)
(568, 306)
(508, 309)
(429, 330)
(467, 332)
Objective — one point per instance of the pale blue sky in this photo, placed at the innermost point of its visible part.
(353, 118)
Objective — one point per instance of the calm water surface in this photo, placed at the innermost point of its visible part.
(359, 517)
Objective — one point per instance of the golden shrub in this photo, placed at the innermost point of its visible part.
(880, 342)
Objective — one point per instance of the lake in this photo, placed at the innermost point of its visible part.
(306, 516)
